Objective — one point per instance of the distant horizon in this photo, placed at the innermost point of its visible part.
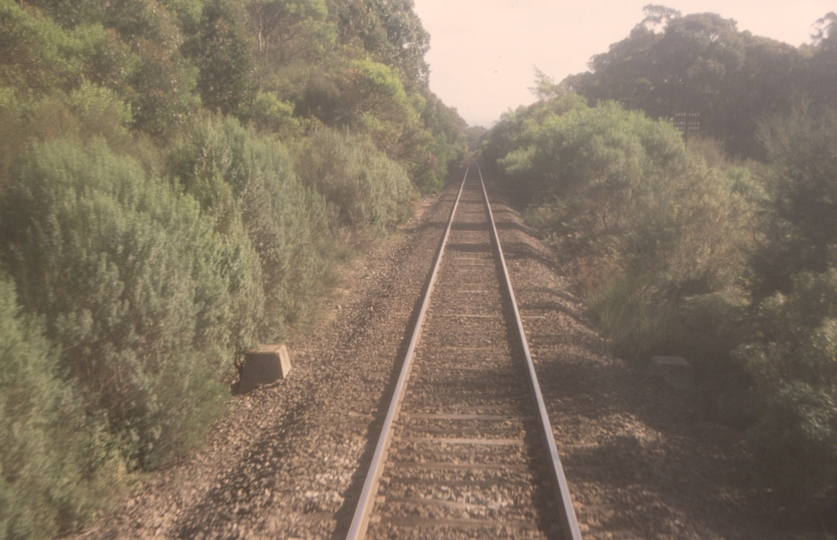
(484, 53)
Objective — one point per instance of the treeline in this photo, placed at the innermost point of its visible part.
(178, 179)
(702, 64)
(681, 250)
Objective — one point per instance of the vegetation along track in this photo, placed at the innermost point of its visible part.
(466, 449)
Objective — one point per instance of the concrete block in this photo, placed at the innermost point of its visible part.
(673, 370)
(264, 366)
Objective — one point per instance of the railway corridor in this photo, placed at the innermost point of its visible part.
(466, 457)
(290, 459)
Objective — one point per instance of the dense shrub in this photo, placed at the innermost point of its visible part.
(147, 288)
(731, 266)
(56, 462)
(363, 188)
(240, 176)
(679, 290)
(415, 130)
(795, 443)
(800, 212)
(644, 317)
(795, 335)
(657, 238)
(621, 188)
(791, 340)
(790, 354)
(37, 55)
(144, 299)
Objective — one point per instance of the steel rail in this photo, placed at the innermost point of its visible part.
(569, 520)
(360, 520)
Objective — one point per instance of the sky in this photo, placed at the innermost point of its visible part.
(483, 53)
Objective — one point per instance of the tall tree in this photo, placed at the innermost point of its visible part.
(163, 84)
(279, 22)
(223, 54)
(823, 72)
(390, 31)
(698, 63)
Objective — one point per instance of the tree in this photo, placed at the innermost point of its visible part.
(545, 88)
(223, 54)
(162, 85)
(825, 31)
(390, 31)
(823, 65)
(801, 220)
(374, 101)
(699, 63)
(658, 17)
(71, 13)
(279, 22)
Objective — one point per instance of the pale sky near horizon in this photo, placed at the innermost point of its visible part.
(483, 52)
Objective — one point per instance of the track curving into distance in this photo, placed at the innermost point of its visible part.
(466, 449)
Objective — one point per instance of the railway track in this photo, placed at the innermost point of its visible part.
(466, 449)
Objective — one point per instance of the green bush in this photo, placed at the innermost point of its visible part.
(363, 188)
(658, 239)
(639, 317)
(273, 115)
(144, 299)
(37, 55)
(791, 346)
(800, 212)
(600, 170)
(794, 337)
(795, 443)
(57, 467)
(621, 188)
(645, 316)
(246, 180)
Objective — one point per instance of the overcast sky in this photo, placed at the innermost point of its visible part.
(483, 52)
